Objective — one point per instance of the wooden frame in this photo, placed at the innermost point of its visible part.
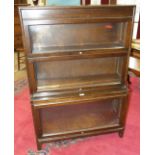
(87, 74)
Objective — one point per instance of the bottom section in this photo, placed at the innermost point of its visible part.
(71, 120)
(80, 117)
(118, 129)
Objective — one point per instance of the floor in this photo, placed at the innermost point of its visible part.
(20, 77)
(19, 74)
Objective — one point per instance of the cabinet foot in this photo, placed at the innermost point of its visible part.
(121, 133)
(39, 146)
(128, 79)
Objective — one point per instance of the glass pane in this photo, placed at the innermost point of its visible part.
(63, 2)
(81, 73)
(80, 117)
(61, 38)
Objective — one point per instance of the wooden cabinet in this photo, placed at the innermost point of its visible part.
(17, 29)
(77, 63)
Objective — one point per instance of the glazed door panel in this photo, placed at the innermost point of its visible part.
(64, 37)
(67, 119)
(73, 74)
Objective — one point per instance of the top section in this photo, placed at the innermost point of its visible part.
(75, 29)
(77, 11)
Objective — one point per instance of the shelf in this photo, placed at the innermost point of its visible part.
(59, 98)
(70, 135)
(81, 54)
(78, 82)
(74, 48)
(62, 120)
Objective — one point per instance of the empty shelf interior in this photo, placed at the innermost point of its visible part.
(79, 117)
(81, 82)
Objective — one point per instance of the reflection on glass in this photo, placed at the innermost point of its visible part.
(60, 38)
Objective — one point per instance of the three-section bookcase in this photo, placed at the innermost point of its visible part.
(77, 65)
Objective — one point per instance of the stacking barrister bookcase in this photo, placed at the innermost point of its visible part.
(77, 64)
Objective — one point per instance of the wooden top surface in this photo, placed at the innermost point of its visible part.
(75, 7)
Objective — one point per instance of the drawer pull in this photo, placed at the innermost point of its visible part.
(81, 94)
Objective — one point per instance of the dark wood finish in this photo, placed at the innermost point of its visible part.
(105, 1)
(77, 63)
(20, 1)
(138, 31)
(88, 2)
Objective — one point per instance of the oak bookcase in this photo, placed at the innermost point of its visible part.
(77, 64)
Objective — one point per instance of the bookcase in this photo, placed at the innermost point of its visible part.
(77, 64)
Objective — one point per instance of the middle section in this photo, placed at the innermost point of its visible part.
(80, 73)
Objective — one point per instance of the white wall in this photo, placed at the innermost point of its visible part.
(95, 2)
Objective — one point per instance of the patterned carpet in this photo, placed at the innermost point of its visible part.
(19, 85)
(47, 150)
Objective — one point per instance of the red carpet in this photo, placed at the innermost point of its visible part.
(109, 144)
